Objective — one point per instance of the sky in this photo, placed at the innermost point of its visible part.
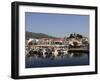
(57, 25)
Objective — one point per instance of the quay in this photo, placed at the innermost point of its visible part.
(62, 46)
(78, 50)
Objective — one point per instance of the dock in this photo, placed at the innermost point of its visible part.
(78, 50)
(81, 49)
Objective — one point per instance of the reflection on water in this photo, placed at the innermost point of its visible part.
(70, 59)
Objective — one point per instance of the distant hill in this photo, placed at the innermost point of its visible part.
(37, 35)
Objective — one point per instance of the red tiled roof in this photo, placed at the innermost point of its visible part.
(58, 39)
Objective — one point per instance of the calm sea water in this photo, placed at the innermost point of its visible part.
(70, 59)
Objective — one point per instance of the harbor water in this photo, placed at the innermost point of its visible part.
(70, 59)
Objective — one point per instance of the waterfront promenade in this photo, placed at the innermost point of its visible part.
(79, 49)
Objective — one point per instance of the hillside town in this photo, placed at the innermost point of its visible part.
(47, 47)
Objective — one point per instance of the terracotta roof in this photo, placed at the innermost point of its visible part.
(58, 39)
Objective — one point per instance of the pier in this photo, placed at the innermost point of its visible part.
(81, 49)
(78, 50)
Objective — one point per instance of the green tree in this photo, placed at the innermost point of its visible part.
(75, 44)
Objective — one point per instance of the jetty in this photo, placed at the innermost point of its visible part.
(78, 50)
(81, 49)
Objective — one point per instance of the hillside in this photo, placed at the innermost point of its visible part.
(37, 35)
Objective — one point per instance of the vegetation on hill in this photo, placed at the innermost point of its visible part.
(37, 35)
(74, 35)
